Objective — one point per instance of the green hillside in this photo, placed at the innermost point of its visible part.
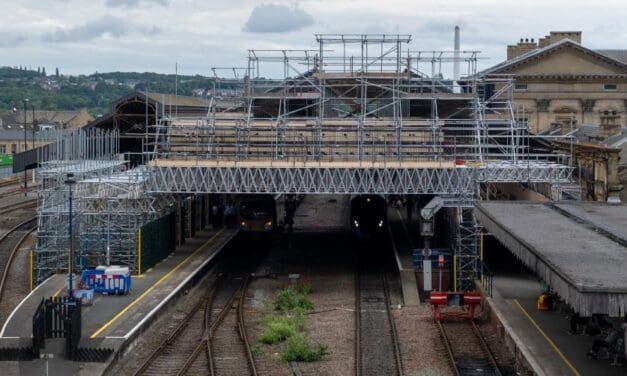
(94, 92)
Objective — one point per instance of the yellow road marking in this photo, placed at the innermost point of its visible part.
(548, 340)
(58, 292)
(143, 295)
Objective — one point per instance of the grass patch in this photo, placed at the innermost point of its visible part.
(278, 328)
(287, 326)
(294, 298)
(257, 350)
(300, 349)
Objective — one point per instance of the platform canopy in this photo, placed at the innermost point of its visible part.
(578, 249)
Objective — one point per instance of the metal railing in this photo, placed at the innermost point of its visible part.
(486, 278)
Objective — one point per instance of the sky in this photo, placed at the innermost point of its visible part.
(85, 36)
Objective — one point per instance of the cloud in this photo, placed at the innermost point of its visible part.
(133, 3)
(274, 18)
(107, 25)
(11, 41)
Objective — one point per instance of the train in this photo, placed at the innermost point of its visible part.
(257, 215)
(368, 217)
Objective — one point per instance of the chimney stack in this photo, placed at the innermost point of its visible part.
(456, 63)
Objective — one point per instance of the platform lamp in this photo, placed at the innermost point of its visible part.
(33, 124)
(25, 147)
(70, 182)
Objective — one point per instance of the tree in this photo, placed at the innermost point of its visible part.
(56, 72)
(43, 72)
(38, 70)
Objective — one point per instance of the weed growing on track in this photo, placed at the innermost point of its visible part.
(294, 298)
(287, 325)
(257, 350)
(300, 349)
(279, 328)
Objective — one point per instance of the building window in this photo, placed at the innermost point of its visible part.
(609, 87)
(520, 87)
(13, 148)
(3, 149)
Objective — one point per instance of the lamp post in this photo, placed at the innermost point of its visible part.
(25, 147)
(32, 107)
(70, 181)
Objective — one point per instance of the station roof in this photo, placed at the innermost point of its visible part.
(579, 249)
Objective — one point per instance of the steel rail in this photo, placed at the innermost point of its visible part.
(357, 325)
(393, 331)
(19, 205)
(8, 182)
(7, 265)
(483, 344)
(447, 345)
(242, 328)
(213, 325)
(397, 350)
(170, 338)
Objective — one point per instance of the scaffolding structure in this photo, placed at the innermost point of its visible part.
(357, 114)
(362, 99)
(109, 202)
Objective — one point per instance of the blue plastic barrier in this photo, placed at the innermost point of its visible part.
(107, 280)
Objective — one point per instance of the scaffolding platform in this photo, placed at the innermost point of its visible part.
(115, 321)
(562, 244)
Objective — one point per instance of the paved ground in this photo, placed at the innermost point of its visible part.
(110, 319)
(557, 352)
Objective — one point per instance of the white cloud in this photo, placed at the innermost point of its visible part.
(8, 41)
(199, 34)
(107, 25)
(269, 18)
(133, 3)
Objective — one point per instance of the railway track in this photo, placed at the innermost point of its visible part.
(376, 343)
(10, 243)
(8, 183)
(468, 351)
(215, 326)
(20, 205)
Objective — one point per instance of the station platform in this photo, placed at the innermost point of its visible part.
(404, 235)
(115, 321)
(576, 248)
(541, 338)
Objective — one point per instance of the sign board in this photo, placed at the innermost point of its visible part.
(426, 275)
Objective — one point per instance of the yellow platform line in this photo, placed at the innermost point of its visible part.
(548, 340)
(143, 295)
(58, 292)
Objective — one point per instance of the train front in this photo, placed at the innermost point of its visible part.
(368, 218)
(257, 216)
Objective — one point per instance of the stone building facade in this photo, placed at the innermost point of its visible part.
(559, 83)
